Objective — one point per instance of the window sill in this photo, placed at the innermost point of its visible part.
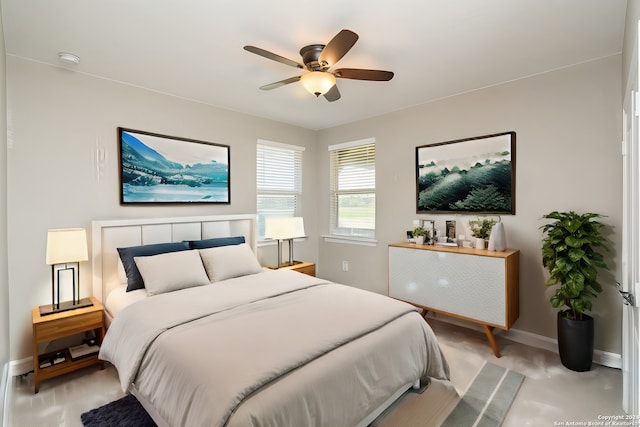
(350, 240)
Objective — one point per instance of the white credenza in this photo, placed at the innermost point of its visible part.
(476, 285)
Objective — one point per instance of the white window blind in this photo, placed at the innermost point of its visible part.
(353, 189)
(279, 181)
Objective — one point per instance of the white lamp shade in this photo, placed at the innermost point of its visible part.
(284, 228)
(318, 82)
(66, 245)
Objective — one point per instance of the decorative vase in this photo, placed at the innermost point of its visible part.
(419, 240)
(497, 239)
(575, 342)
(480, 243)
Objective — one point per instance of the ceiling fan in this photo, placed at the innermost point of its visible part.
(318, 60)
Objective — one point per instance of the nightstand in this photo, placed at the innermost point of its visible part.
(58, 325)
(302, 267)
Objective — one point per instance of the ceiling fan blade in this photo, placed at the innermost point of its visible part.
(338, 47)
(280, 83)
(273, 56)
(333, 94)
(361, 74)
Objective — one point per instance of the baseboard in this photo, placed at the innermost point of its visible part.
(604, 358)
(21, 367)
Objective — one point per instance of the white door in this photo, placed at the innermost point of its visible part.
(630, 243)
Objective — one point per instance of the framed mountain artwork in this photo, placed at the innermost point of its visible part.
(166, 169)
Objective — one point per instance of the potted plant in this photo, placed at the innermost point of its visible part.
(569, 254)
(421, 235)
(480, 229)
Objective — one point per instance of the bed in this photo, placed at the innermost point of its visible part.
(215, 339)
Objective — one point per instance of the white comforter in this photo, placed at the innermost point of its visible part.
(242, 352)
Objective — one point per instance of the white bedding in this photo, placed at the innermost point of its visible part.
(119, 298)
(271, 349)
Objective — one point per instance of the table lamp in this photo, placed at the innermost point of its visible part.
(287, 228)
(66, 248)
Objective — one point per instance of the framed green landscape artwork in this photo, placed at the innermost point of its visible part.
(473, 175)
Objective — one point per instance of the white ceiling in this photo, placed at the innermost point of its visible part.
(193, 48)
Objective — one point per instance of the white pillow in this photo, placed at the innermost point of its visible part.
(171, 271)
(122, 275)
(226, 262)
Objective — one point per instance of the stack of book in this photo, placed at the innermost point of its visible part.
(51, 359)
(83, 350)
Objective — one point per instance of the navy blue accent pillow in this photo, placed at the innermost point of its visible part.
(134, 279)
(216, 242)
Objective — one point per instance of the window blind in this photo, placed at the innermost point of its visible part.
(353, 189)
(278, 181)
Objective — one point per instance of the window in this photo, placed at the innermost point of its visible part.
(279, 181)
(353, 189)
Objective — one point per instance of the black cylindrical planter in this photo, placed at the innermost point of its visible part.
(575, 342)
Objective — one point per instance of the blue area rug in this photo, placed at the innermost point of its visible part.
(125, 412)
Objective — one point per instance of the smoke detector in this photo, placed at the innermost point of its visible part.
(68, 58)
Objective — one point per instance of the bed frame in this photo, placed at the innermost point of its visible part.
(108, 235)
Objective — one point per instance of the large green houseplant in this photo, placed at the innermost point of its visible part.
(569, 253)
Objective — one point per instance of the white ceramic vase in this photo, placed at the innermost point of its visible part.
(497, 239)
(419, 240)
(480, 243)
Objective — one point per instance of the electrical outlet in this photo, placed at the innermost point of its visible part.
(345, 265)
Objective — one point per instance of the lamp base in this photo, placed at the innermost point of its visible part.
(284, 264)
(289, 264)
(64, 306)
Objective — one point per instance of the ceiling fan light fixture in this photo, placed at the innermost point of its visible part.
(318, 82)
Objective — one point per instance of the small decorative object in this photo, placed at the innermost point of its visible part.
(286, 228)
(66, 248)
(430, 226)
(437, 235)
(451, 231)
(497, 239)
(480, 229)
(569, 254)
(420, 234)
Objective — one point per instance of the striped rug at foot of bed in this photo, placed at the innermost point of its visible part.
(488, 399)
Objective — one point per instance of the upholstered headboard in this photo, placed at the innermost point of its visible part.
(108, 235)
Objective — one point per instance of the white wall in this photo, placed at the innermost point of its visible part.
(630, 29)
(568, 126)
(4, 284)
(57, 118)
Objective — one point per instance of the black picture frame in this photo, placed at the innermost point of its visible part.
(162, 169)
(467, 176)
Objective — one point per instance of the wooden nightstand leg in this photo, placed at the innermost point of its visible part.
(36, 364)
(492, 340)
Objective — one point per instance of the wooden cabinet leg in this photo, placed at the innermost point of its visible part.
(492, 340)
